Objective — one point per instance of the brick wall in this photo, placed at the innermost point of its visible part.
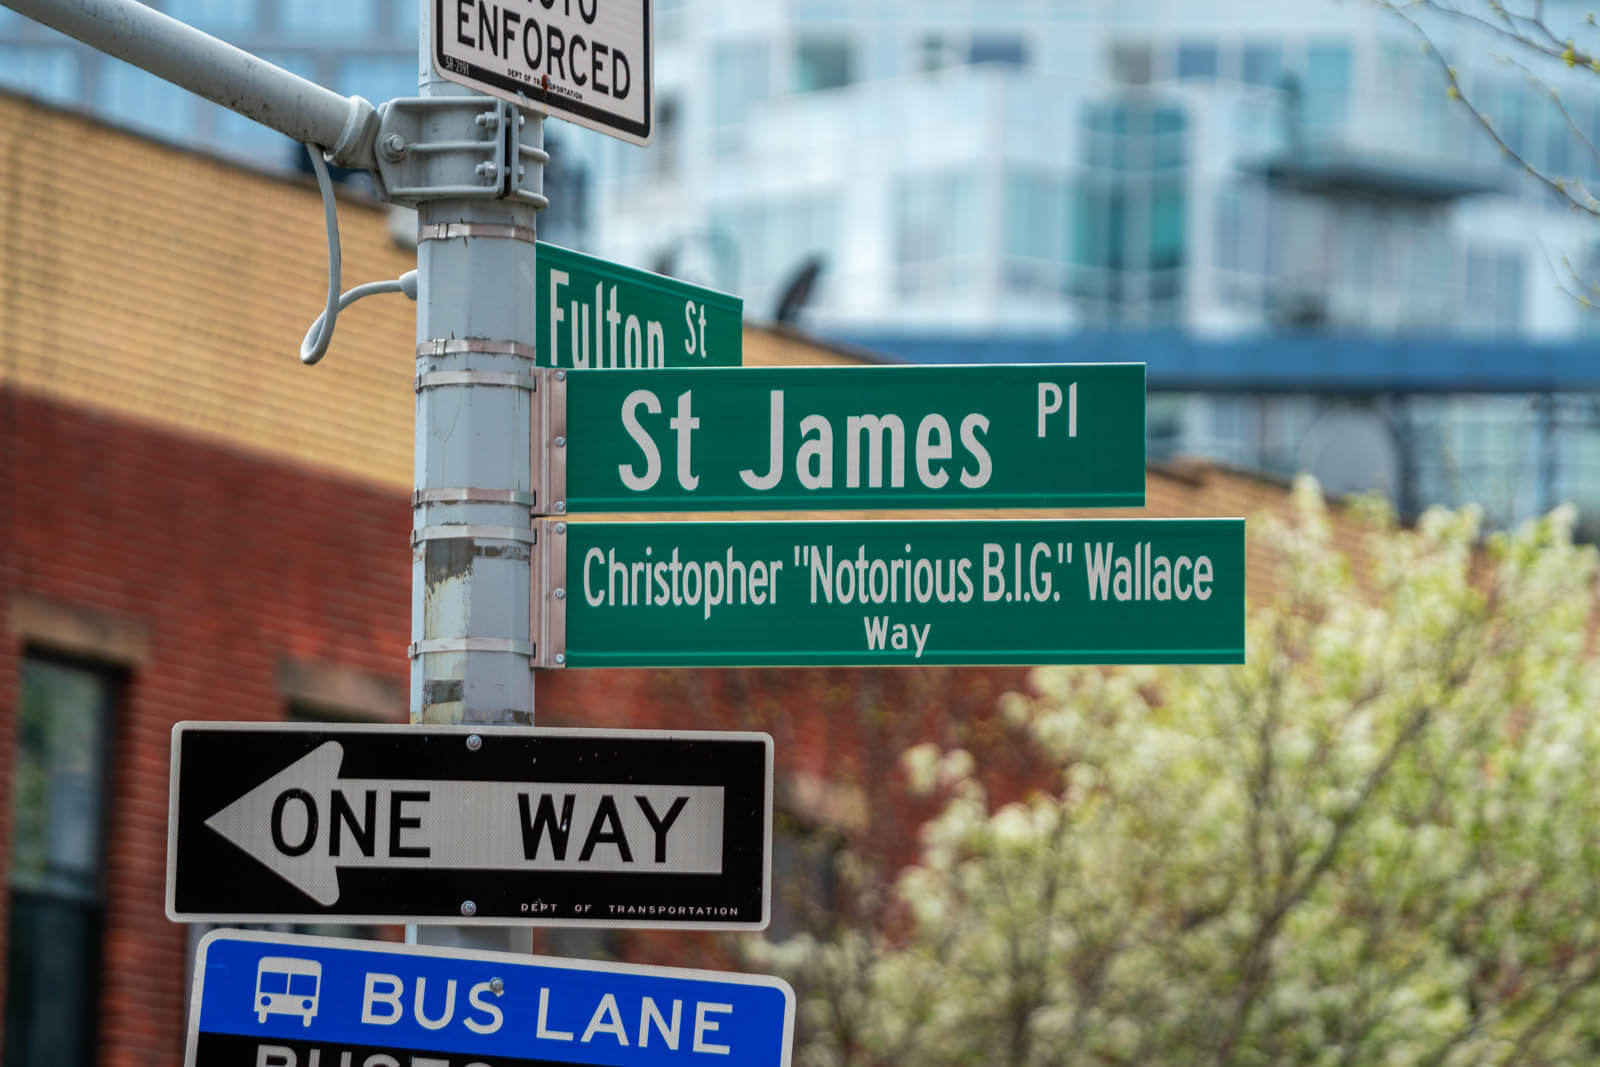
(230, 563)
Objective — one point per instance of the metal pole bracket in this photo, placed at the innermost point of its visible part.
(547, 457)
(547, 607)
(415, 163)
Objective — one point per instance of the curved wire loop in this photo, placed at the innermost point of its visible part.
(315, 344)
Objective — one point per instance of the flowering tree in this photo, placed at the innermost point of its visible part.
(1376, 842)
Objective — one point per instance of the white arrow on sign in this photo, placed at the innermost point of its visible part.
(306, 821)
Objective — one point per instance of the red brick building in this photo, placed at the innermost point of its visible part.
(195, 526)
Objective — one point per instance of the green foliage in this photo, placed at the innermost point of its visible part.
(1378, 842)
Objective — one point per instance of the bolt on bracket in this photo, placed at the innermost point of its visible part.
(454, 147)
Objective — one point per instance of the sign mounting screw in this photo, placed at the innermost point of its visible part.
(474, 742)
(497, 985)
(469, 908)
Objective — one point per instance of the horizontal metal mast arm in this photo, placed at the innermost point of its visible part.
(216, 70)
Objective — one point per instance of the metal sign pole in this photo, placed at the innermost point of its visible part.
(472, 535)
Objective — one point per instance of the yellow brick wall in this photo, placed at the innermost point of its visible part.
(169, 287)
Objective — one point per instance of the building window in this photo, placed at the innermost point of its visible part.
(935, 51)
(145, 102)
(1262, 64)
(1493, 283)
(1004, 50)
(307, 16)
(1130, 226)
(1197, 60)
(57, 872)
(937, 238)
(823, 63)
(1327, 87)
(1035, 231)
(49, 73)
(663, 150)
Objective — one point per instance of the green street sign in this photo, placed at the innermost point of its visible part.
(797, 438)
(592, 313)
(1027, 591)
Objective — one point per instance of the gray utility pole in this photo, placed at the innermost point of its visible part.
(473, 168)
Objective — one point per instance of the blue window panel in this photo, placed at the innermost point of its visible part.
(1327, 84)
(1005, 50)
(378, 78)
(50, 73)
(1262, 64)
(320, 16)
(130, 97)
(220, 17)
(302, 985)
(1198, 60)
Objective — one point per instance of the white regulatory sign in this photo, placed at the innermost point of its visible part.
(588, 61)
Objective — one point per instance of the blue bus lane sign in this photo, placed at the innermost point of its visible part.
(264, 999)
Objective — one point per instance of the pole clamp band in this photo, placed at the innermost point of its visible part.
(472, 496)
(480, 345)
(497, 379)
(445, 231)
(471, 532)
(469, 644)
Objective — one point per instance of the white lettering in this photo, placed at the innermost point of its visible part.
(543, 1030)
(652, 456)
(390, 999)
(648, 1011)
(496, 1017)
(607, 1010)
(774, 451)
(703, 1026)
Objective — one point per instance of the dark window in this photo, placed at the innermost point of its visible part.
(1131, 217)
(57, 874)
(993, 49)
(822, 63)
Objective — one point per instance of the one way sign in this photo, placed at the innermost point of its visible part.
(401, 824)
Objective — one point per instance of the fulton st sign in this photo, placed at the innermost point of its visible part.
(855, 438)
(590, 312)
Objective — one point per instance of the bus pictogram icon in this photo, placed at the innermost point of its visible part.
(287, 985)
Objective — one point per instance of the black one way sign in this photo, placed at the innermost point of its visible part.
(283, 822)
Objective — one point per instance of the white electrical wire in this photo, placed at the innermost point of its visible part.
(315, 344)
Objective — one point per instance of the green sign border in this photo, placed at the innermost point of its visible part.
(627, 429)
(780, 619)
